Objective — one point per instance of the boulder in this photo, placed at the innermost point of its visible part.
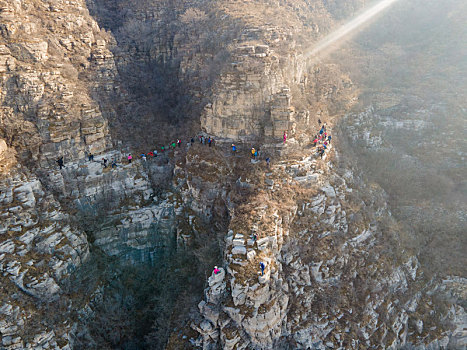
(3, 146)
(216, 279)
(241, 250)
(251, 255)
(329, 191)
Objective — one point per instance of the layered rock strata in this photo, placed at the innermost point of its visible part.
(39, 247)
(332, 278)
(48, 51)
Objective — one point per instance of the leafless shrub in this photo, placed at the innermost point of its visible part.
(193, 16)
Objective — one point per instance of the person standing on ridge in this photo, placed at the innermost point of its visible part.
(209, 141)
(234, 148)
(143, 157)
(285, 136)
(129, 158)
(253, 151)
(329, 138)
(216, 270)
(268, 161)
(179, 142)
(319, 121)
(60, 162)
(104, 162)
(262, 266)
(91, 157)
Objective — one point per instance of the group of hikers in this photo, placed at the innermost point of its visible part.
(105, 161)
(210, 141)
(178, 143)
(322, 139)
(206, 140)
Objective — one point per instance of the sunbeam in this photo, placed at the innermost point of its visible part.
(324, 46)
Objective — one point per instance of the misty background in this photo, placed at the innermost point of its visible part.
(407, 133)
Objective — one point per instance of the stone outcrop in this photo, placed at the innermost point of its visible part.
(329, 281)
(46, 107)
(49, 50)
(118, 205)
(252, 88)
(39, 247)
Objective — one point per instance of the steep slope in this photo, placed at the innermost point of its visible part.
(46, 112)
(336, 274)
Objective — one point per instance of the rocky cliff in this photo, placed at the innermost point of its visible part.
(333, 278)
(46, 112)
(232, 70)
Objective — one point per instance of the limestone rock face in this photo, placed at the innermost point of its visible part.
(326, 282)
(46, 111)
(254, 86)
(253, 94)
(117, 204)
(38, 248)
(48, 50)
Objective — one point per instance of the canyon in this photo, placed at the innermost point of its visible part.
(122, 257)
